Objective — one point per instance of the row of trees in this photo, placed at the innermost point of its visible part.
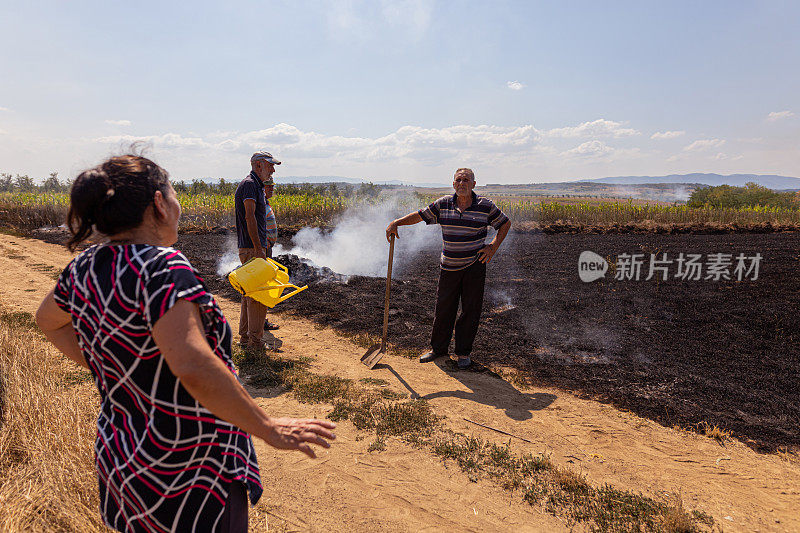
(750, 195)
(24, 183)
(336, 190)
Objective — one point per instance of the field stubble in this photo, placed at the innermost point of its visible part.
(49, 409)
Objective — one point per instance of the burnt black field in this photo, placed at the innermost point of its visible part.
(725, 352)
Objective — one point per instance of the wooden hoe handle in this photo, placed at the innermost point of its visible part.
(388, 287)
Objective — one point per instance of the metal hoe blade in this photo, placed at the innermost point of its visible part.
(373, 356)
(376, 351)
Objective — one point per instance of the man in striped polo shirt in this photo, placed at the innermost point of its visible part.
(464, 217)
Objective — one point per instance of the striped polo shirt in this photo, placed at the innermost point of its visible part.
(463, 232)
(271, 226)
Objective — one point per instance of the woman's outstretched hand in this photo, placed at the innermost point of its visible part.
(299, 433)
(179, 336)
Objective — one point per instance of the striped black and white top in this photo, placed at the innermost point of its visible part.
(463, 232)
(164, 462)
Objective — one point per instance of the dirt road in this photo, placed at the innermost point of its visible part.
(408, 489)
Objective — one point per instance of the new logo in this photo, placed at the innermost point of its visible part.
(591, 266)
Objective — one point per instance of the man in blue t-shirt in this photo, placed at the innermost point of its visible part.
(256, 232)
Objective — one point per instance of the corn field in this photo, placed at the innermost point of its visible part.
(623, 212)
(204, 212)
(199, 212)
(33, 210)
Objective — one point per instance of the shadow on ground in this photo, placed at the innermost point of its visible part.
(488, 388)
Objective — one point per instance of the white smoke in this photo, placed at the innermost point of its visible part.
(682, 194)
(229, 259)
(500, 297)
(657, 192)
(358, 245)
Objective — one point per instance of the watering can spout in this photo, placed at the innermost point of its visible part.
(264, 281)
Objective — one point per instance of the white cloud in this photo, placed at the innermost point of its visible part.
(515, 85)
(752, 140)
(704, 144)
(590, 149)
(721, 156)
(778, 115)
(594, 152)
(462, 137)
(168, 140)
(667, 134)
(408, 146)
(119, 122)
(595, 128)
(228, 145)
(277, 134)
(499, 154)
(220, 135)
(412, 152)
(411, 143)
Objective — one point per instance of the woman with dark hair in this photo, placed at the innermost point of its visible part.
(173, 450)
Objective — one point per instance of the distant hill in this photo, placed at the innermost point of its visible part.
(770, 181)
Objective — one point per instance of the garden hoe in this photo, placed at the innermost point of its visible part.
(376, 351)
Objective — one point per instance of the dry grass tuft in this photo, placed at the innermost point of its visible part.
(677, 520)
(570, 481)
(378, 445)
(47, 473)
(790, 455)
(714, 432)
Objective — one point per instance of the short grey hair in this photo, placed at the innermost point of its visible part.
(465, 171)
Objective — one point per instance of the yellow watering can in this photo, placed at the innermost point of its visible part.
(263, 281)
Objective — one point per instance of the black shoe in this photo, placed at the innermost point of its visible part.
(270, 326)
(464, 363)
(427, 357)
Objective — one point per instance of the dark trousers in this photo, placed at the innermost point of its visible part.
(466, 286)
(234, 519)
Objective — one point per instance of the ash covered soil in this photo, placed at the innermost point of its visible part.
(726, 353)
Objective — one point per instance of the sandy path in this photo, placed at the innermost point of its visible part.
(406, 489)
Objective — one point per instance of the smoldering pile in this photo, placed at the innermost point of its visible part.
(303, 271)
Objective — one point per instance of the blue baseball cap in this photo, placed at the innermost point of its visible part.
(264, 156)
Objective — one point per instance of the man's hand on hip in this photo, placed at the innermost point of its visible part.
(486, 253)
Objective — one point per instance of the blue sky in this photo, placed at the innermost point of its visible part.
(410, 90)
